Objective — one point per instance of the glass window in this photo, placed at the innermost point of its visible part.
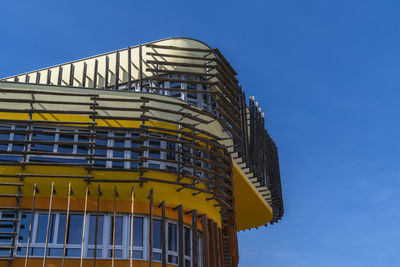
(172, 237)
(6, 227)
(137, 232)
(83, 147)
(157, 234)
(119, 152)
(192, 95)
(42, 228)
(4, 137)
(171, 146)
(92, 229)
(40, 136)
(172, 243)
(153, 153)
(24, 227)
(186, 238)
(137, 251)
(176, 94)
(19, 136)
(101, 144)
(74, 231)
(118, 230)
(67, 145)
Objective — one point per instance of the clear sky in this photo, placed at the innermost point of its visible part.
(327, 76)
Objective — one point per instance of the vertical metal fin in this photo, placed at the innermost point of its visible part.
(129, 69)
(84, 74)
(71, 75)
(96, 66)
(116, 83)
(106, 72)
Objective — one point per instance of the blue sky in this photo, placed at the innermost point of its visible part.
(327, 76)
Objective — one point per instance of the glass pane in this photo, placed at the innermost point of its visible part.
(175, 85)
(157, 234)
(191, 86)
(83, 148)
(118, 253)
(173, 259)
(119, 144)
(73, 252)
(137, 231)
(156, 256)
(37, 252)
(90, 253)
(135, 143)
(42, 228)
(101, 145)
(21, 251)
(186, 236)
(66, 148)
(137, 254)
(24, 228)
(37, 136)
(118, 230)
(92, 229)
(172, 237)
(4, 137)
(75, 229)
(187, 263)
(153, 165)
(55, 252)
(20, 136)
(61, 228)
(4, 252)
(171, 155)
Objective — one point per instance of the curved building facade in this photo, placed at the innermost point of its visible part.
(146, 156)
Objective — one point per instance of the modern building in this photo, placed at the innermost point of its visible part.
(145, 156)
